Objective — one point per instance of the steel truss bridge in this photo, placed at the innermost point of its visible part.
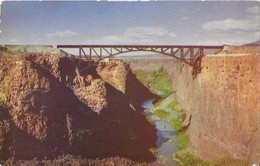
(191, 55)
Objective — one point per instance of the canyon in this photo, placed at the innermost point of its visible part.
(221, 105)
(49, 109)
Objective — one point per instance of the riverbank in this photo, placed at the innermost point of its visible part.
(167, 142)
(166, 114)
(171, 112)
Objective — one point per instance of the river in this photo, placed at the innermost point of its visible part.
(167, 141)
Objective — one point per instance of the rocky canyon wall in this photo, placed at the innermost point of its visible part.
(221, 104)
(224, 108)
(50, 109)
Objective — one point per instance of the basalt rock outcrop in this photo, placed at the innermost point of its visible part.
(49, 109)
(221, 105)
(120, 76)
(225, 117)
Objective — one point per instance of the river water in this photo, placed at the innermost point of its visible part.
(167, 141)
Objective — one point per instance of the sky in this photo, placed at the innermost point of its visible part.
(139, 23)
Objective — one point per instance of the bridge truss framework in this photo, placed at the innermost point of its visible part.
(191, 55)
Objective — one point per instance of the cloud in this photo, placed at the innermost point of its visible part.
(1, 1)
(185, 18)
(182, 10)
(121, 0)
(14, 40)
(230, 24)
(148, 32)
(138, 35)
(251, 22)
(253, 10)
(235, 40)
(66, 33)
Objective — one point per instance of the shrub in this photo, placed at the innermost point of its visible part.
(187, 158)
(178, 120)
(183, 139)
(161, 113)
(173, 107)
(176, 123)
(157, 81)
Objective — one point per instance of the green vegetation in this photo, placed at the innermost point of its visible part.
(173, 105)
(225, 162)
(161, 113)
(183, 139)
(158, 103)
(187, 157)
(157, 81)
(177, 121)
(184, 155)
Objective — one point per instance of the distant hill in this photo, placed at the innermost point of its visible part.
(256, 43)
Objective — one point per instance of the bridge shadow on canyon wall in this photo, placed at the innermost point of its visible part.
(73, 128)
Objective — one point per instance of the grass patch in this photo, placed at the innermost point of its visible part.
(161, 113)
(157, 81)
(173, 105)
(185, 157)
(177, 123)
(183, 139)
(188, 158)
(178, 120)
(225, 162)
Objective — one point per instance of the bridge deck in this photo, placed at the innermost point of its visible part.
(146, 46)
(189, 54)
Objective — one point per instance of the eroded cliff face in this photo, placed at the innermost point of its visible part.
(120, 76)
(37, 98)
(114, 73)
(224, 108)
(49, 109)
(221, 104)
